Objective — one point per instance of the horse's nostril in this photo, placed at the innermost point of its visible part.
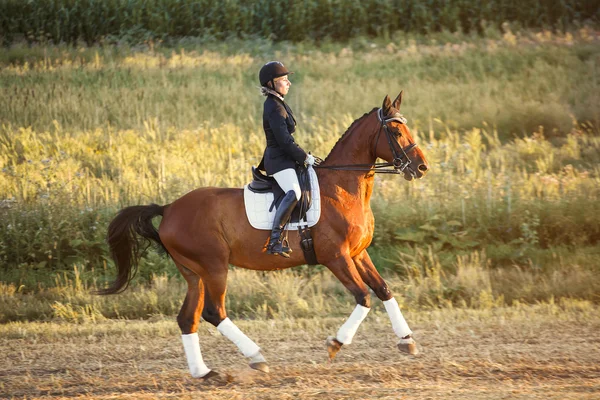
(423, 168)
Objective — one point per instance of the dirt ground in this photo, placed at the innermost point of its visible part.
(539, 352)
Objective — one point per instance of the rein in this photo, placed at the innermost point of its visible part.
(380, 168)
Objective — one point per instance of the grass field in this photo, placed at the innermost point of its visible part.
(493, 257)
(509, 122)
(514, 81)
(546, 351)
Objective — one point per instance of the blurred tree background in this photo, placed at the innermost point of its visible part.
(93, 21)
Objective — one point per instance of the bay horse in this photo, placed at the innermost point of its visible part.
(206, 230)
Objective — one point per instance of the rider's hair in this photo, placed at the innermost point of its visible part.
(265, 91)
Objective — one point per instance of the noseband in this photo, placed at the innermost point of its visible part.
(400, 161)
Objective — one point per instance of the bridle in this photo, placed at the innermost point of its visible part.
(400, 161)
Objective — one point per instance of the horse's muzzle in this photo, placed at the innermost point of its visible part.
(410, 174)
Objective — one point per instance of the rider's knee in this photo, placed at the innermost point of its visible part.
(297, 192)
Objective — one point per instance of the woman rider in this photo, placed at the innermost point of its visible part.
(282, 153)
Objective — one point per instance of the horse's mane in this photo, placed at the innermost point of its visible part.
(348, 131)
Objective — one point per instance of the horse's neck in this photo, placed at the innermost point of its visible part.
(354, 148)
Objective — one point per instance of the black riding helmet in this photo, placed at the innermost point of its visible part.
(270, 71)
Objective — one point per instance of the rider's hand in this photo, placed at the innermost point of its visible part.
(310, 160)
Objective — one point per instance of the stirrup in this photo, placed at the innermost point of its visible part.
(284, 252)
(278, 246)
(285, 246)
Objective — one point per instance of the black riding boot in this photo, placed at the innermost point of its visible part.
(282, 215)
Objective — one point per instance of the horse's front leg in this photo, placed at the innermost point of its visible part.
(371, 276)
(343, 268)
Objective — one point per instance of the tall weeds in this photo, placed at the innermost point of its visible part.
(514, 83)
(501, 217)
(471, 282)
(508, 198)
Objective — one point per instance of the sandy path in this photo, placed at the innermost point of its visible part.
(541, 352)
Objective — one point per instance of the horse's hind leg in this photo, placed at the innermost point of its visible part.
(188, 320)
(371, 276)
(343, 268)
(215, 313)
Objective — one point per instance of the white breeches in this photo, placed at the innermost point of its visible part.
(288, 180)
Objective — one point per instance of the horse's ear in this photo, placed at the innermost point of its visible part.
(398, 101)
(386, 106)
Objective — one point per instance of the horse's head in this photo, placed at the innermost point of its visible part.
(395, 144)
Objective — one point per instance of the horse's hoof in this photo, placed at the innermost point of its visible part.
(215, 379)
(260, 366)
(211, 374)
(333, 346)
(408, 346)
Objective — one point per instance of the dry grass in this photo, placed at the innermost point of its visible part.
(304, 293)
(547, 351)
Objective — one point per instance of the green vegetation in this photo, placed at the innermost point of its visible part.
(509, 122)
(139, 20)
(512, 81)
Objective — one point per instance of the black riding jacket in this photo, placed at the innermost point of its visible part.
(279, 124)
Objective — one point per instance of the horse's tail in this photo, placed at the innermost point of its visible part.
(123, 241)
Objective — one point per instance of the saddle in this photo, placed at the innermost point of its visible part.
(262, 183)
(263, 194)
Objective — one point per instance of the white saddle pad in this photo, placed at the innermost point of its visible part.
(258, 204)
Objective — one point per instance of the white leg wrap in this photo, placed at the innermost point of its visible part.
(398, 322)
(243, 342)
(191, 346)
(347, 331)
